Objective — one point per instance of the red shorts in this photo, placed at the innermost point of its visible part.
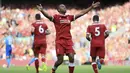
(97, 51)
(40, 48)
(63, 47)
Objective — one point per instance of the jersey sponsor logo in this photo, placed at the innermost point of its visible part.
(64, 21)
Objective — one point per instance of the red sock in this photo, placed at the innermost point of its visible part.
(43, 60)
(37, 66)
(53, 70)
(101, 61)
(94, 65)
(71, 67)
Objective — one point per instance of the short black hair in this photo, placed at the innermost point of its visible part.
(95, 18)
(38, 16)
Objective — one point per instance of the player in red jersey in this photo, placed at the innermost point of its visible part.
(97, 33)
(40, 30)
(63, 41)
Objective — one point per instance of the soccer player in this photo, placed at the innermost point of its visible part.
(63, 41)
(8, 41)
(40, 30)
(33, 59)
(97, 33)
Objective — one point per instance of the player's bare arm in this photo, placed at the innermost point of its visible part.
(40, 8)
(94, 5)
(2, 43)
(128, 40)
(48, 32)
(107, 33)
(88, 36)
(32, 30)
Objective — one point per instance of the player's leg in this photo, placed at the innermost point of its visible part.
(36, 54)
(93, 55)
(94, 65)
(60, 54)
(71, 62)
(57, 63)
(8, 60)
(8, 56)
(101, 54)
(43, 58)
(70, 53)
(31, 61)
(36, 62)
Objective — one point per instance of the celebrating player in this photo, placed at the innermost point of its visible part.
(40, 30)
(64, 42)
(97, 33)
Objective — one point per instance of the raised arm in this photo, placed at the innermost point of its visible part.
(40, 8)
(94, 5)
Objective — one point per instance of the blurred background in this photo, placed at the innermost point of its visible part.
(19, 15)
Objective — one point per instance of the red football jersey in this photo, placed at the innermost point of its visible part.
(97, 33)
(39, 32)
(63, 26)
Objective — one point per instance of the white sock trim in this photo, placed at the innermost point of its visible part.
(93, 63)
(36, 58)
(71, 64)
(43, 57)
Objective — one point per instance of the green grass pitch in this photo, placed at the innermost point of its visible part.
(64, 69)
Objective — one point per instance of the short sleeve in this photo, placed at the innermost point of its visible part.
(53, 18)
(71, 17)
(105, 29)
(46, 27)
(33, 24)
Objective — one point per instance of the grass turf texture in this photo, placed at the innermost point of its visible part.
(64, 69)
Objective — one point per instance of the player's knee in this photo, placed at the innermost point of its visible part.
(93, 59)
(61, 61)
(71, 59)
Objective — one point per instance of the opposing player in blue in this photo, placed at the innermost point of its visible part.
(8, 42)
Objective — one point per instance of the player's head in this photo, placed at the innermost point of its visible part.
(38, 17)
(61, 9)
(95, 18)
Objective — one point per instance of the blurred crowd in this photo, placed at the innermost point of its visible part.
(116, 18)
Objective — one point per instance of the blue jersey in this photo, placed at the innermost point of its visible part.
(8, 40)
(8, 43)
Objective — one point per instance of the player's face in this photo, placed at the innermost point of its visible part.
(62, 8)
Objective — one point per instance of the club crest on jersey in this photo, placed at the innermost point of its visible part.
(64, 21)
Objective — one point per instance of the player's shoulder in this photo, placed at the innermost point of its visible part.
(39, 22)
(101, 25)
(56, 15)
(89, 26)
